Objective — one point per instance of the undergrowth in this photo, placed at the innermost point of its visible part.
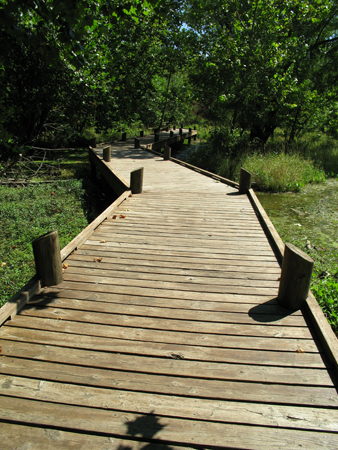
(28, 212)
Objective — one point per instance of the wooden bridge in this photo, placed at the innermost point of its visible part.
(166, 332)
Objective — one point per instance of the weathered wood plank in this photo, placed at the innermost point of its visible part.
(254, 329)
(197, 409)
(169, 337)
(173, 365)
(162, 429)
(309, 390)
(193, 353)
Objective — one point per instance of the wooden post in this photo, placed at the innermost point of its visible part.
(136, 143)
(189, 140)
(181, 131)
(156, 137)
(295, 279)
(93, 142)
(244, 181)
(167, 128)
(136, 181)
(46, 249)
(174, 127)
(141, 133)
(107, 153)
(124, 136)
(171, 133)
(167, 153)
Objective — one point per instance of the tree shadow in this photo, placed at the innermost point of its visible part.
(145, 428)
(269, 311)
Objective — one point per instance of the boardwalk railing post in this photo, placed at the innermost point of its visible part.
(136, 181)
(174, 127)
(244, 181)
(93, 142)
(136, 143)
(124, 136)
(107, 153)
(46, 249)
(141, 133)
(180, 132)
(171, 133)
(156, 137)
(295, 279)
(167, 152)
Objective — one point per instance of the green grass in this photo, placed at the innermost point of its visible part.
(28, 212)
(281, 173)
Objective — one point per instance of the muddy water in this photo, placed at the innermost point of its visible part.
(310, 216)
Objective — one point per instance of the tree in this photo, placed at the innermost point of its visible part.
(258, 64)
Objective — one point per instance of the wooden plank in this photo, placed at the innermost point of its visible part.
(288, 416)
(309, 391)
(162, 429)
(99, 270)
(227, 287)
(189, 252)
(169, 337)
(182, 259)
(154, 349)
(232, 304)
(19, 436)
(252, 316)
(173, 365)
(172, 294)
(254, 329)
(147, 266)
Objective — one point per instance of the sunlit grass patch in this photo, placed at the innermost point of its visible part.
(281, 173)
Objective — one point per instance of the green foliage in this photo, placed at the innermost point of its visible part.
(326, 293)
(281, 172)
(28, 212)
(267, 64)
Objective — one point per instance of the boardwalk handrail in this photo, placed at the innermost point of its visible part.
(322, 326)
(18, 301)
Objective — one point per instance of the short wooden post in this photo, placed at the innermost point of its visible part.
(190, 130)
(167, 152)
(107, 153)
(136, 143)
(124, 136)
(46, 249)
(174, 127)
(171, 133)
(156, 137)
(244, 181)
(136, 181)
(189, 140)
(181, 131)
(295, 279)
(167, 128)
(141, 133)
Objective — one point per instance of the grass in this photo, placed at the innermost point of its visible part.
(281, 172)
(27, 212)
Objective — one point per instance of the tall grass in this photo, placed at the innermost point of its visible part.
(282, 167)
(281, 172)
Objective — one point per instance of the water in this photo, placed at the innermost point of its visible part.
(310, 216)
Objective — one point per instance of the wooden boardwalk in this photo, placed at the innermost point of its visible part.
(166, 333)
